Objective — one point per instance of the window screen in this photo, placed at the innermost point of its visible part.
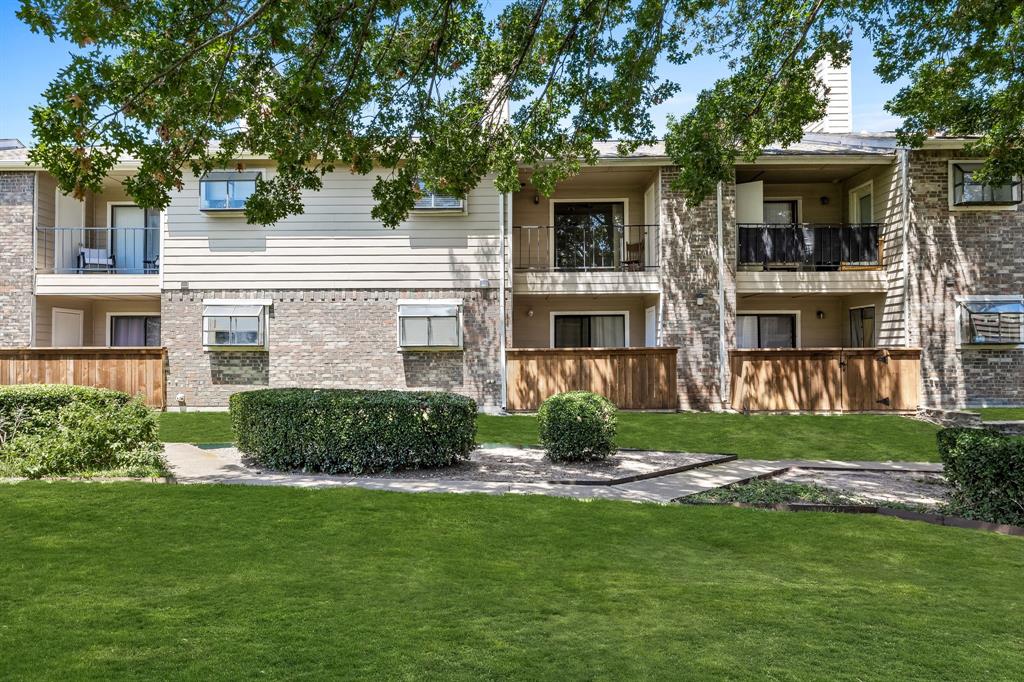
(429, 326)
(226, 191)
(233, 325)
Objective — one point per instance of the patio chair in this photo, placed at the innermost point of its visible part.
(96, 259)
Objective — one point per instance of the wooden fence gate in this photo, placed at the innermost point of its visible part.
(632, 378)
(825, 379)
(137, 371)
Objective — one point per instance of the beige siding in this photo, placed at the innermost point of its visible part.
(535, 331)
(334, 244)
(44, 318)
(47, 189)
(885, 185)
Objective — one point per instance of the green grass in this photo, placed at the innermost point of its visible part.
(846, 437)
(995, 414)
(771, 492)
(216, 582)
(195, 427)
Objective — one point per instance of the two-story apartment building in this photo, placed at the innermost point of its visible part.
(841, 241)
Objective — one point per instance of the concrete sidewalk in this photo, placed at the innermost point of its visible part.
(191, 465)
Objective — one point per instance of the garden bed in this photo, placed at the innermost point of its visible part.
(507, 463)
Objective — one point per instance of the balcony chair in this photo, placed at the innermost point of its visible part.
(99, 260)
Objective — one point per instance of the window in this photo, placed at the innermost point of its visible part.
(766, 331)
(587, 234)
(432, 201)
(134, 330)
(234, 323)
(589, 331)
(995, 321)
(781, 212)
(226, 190)
(430, 324)
(862, 327)
(966, 192)
(861, 207)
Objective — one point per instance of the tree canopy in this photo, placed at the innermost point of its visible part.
(414, 91)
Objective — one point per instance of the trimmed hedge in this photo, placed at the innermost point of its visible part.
(986, 471)
(353, 431)
(58, 430)
(578, 426)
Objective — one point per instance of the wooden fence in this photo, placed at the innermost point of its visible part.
(138, 371)
(826, 379)
(632, 378)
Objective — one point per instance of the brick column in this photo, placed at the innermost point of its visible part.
(17, 199)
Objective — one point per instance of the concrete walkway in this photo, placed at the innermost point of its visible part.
(191, 464)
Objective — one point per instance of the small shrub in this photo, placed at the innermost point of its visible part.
(64, 430)
(578, 426)
(353, 431)
(986, 471)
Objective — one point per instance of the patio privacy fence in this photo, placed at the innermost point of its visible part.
(136, 371)
(826, 379)
(632, 378)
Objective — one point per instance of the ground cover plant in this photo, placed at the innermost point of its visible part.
(770, 492)
(577, 426)
(353, 431)
(58, 430)
(235, 582)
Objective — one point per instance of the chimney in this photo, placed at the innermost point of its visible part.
(839, 111)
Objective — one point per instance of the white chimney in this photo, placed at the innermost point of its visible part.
(839, 111)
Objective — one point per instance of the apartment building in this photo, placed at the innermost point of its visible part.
(843, 241)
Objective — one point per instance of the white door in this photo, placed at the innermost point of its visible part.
(129, 237)
(651, 220)
(651, 327)
(67, 328)
(750, 202)
(69, 237)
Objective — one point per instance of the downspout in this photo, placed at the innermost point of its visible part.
(501, 299)
(723, 376)
(904, 257)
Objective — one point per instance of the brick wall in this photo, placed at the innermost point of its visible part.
(336, 339)
(16, 269)
(976, 252)
(689, 265)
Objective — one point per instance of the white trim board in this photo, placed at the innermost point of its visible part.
(589, 313)
(854, 194)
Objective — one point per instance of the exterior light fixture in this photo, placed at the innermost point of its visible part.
(700, 298)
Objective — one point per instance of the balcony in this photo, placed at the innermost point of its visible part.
(574, 259)
(810, 258)
(97, 260)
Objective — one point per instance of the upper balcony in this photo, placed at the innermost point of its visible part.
(97, 260)
(596, 234)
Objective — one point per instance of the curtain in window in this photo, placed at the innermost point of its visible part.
(127, 331)
(777, 331)
(608, 331)
(746, 331)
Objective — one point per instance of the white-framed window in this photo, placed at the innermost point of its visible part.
(590, 329)
(862, 204)
(227, 190)
(434, 201)
(430, 324)
(235, 323)
(989, 321)
(768, 329)
(964, 192)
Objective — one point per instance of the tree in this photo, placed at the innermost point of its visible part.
(417, 87)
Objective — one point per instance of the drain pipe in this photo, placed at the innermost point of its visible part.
(501, 300)
(723, 376)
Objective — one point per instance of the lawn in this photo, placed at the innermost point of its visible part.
(221, 582)
(995, 414)
(847, 437)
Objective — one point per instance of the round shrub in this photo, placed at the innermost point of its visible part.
(578, 426)
(986, 472)
(57, 430)
(353, 431)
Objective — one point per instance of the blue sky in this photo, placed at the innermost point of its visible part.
(30, 61)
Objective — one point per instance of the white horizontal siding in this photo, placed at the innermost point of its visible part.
(334, 244)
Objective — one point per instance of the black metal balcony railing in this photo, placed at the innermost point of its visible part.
(108, 250)
(617, 248)
(807, 246)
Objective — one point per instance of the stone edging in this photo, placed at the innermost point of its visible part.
(720, 459)
(905, 514)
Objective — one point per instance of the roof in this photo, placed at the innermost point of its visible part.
(812, 144)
